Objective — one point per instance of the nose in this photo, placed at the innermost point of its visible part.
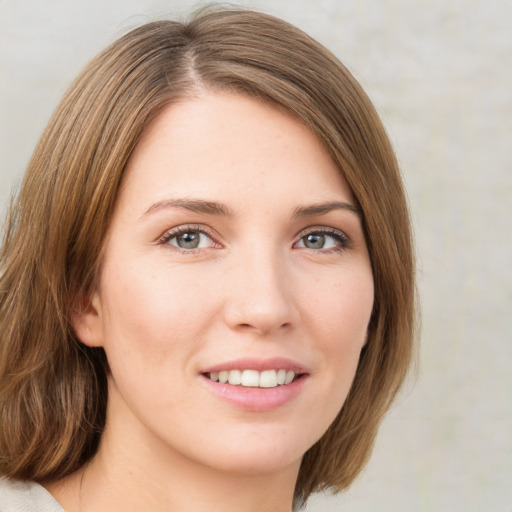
(260, 298)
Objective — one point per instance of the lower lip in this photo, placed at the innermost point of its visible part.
(256, 399)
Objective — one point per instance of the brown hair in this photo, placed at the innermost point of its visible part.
(53, 388)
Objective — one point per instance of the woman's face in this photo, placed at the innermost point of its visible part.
(235, 252)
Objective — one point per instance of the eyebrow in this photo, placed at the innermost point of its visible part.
(323, 208)
(193, 205)
(214, 208)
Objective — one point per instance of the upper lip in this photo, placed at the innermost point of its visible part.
(274, 363)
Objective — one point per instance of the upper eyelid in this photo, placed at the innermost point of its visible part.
(210, 232)
(170, 233)
(322, 229)
(344, 239)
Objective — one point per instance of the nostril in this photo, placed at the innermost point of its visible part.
(285, 325)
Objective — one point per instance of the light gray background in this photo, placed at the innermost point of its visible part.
(439, 72)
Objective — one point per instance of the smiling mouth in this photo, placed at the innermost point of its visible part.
(254, 378)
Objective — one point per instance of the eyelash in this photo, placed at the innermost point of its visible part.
(343, 241)
(190, 228)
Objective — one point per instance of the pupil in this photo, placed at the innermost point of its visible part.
(315, 241)
(188, 240)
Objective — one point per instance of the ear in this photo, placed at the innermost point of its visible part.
(86, 319)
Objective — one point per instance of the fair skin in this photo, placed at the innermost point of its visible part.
(235, 245)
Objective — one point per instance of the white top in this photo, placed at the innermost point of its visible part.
(18, 496)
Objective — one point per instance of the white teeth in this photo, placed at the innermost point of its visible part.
(289, 377)
(250, 378)
(235, 377)
(254, 378)
(268, 379)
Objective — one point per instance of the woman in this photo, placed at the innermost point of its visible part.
(207, 278)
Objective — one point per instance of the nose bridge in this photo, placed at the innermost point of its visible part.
(260, 298)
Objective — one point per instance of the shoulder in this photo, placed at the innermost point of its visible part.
(16, 496)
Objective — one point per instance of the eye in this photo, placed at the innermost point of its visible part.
(188, 239)
(324, 240)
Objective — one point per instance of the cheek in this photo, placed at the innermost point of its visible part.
(149, 316)
(343, 307)
(339, 319)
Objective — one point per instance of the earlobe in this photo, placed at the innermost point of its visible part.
(86, 320)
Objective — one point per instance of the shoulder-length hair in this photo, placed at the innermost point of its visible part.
(53, 390)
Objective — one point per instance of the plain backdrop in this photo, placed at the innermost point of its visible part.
(439, 72)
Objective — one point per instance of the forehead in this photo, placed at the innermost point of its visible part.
(229, 145)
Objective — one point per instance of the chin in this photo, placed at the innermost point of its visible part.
(259, 451)
(261, 465)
